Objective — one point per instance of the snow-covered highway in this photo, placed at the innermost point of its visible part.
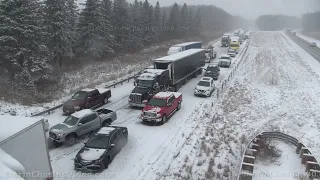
(148, 146)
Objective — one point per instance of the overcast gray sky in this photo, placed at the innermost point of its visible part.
(252, 8)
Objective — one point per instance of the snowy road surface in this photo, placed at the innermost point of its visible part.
(307, 38)
(275, 89)
(150, 148)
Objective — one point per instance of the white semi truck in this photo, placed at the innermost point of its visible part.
(25, 140)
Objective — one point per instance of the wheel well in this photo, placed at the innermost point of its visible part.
(74, 134)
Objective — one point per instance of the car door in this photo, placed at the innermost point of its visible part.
(96, 99)
(94, 122)
(83, 126)
(211, 85)
(113, 149)
(173, 106)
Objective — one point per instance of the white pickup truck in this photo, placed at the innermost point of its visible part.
(79, 124)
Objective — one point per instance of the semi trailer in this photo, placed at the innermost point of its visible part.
(169, 74)
(183, 47)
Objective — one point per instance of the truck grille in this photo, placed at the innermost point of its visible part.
(150, 114)
(136, 98)
(52, 135)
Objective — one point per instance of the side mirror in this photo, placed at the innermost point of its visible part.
(145, 101)
(112, 145)
(85, 142)
(80, 124)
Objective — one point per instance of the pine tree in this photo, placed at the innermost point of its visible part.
(198, 22)
(94, 35)
(173, 21)
(57, 27)
(22, 50)
(184, 20)
(107, 25)
(122, 25)
(146, 16)
(136, 20)
(157, 20)
(72, 18)
(164, 27)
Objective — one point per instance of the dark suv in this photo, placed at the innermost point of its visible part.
(212, 71)
(101, 148)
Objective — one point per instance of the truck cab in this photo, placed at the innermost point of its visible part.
(225, 41)
(147, 84)
(161, 106)
(235, 44)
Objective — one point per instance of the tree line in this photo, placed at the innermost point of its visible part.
(311, 22)
(277, 22)
(39, 36)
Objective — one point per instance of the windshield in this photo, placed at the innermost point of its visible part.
(204, 83)
(174, 49)
(224, 57)
(234, 45)
(212, 68)
(71, 120)
(145, 83)
(98, 142)
(157, 102)
(80, 95)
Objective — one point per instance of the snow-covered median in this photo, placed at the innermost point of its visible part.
(276, 89)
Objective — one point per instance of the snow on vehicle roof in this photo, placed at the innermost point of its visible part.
(82, 113)
(186, 43)
(165, 95)
(10, 125)
(147, 76)
(180, 55)
(225, 55)
(154, 71)
(106, 130)
(206, 79)
(88, 89)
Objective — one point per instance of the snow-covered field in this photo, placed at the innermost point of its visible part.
(150, 149)
(275, 89)
(307, 38)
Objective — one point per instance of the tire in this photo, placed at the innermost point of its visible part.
(179, 106)
(106, 162)
(106, 123)
(164, 119)
(71, 140)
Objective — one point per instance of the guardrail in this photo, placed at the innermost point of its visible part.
(48, 111)
(252, 150)
(223, 84)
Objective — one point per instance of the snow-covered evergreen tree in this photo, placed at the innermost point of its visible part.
(122, 25)
(136, 20)
(174, 20)
(108, 28)
(157, 20)
(94, 35)
(72, 19)
(184, 20)
(22, 51)
(147, 22)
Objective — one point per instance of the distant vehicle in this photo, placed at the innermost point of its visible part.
(208, 59)
(161, 107)
(225, 61)
(79, 124)
(183, 47)
(313, 44)
(141, 72)
(101, 149)
(210, 52)
(232, 52)
(86, 99)
(234, 44)
(225, 40)
(170, 73)
(212, 70)
(205, 87)
(237, 32)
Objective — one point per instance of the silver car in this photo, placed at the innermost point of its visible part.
(313, 44)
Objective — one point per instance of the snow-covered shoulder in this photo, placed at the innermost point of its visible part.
(11, 125)
(306, 38)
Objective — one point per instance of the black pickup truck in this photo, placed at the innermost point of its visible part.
(86, 99)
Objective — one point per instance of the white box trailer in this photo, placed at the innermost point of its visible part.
(24, 139)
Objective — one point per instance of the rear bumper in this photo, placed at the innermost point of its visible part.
(137, 104)
(197, 93)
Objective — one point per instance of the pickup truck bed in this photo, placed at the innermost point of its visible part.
(107, 114)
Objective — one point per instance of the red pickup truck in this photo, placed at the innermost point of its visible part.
(86, 99)
(161, 106)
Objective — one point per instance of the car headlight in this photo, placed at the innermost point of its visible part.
(158, 115)
(60, 134)
(76, 108)
(98, 161)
